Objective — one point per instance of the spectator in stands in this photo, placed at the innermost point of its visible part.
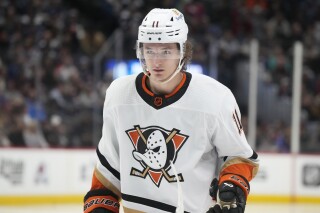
(46, 41)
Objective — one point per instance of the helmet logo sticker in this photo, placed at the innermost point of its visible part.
(175, 12)
(154, 33)
(154, 148)
(179, 17)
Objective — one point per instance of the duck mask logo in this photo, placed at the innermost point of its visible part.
(154, 148)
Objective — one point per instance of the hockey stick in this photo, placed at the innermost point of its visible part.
(138, 173)
(166, 175)
(140, 134)
(134, 171)
(171, 135)
(171, 178)
(143, 173)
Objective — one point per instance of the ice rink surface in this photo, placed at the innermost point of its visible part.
(251, 208)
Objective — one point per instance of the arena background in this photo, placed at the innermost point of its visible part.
(58, 57)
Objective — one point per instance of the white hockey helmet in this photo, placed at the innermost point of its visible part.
(163, 26)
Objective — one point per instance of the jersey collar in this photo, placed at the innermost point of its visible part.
(161, 101)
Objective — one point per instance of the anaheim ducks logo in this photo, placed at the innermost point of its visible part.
(154, 148)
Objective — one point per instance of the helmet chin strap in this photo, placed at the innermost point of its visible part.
(171, 76)
(178, 69)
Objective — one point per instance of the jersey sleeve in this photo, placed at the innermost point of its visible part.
(108, 161)
(240, 162)
(229, 138)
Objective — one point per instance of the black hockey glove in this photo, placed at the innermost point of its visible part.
(229, 196)
(101, 201)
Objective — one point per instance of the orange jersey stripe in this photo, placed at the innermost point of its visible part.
(144, 83)
(100, 182)
(183, 80)
(95, 183)
(243, 169)
(184, 77)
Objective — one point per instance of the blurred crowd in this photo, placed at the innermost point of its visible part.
(49, 96)
(46, 85)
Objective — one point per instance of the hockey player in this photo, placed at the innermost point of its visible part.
(168, 135)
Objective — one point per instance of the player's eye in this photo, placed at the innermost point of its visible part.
(166, 52)
(156, 149)
(149, 52)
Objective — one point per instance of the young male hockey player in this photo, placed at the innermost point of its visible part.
(169, 136)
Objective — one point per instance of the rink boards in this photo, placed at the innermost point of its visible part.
(31, 176)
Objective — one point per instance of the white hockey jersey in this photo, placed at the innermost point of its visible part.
(194, 128)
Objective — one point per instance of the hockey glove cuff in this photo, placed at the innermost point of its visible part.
(101, 201)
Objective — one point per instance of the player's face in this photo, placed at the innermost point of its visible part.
(161, 59)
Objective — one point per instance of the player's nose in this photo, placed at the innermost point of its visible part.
(156, 62)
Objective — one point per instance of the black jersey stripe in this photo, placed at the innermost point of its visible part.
(150, 203)
(106, 164)
(254, 156)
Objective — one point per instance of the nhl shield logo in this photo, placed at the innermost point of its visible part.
(154, 148)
